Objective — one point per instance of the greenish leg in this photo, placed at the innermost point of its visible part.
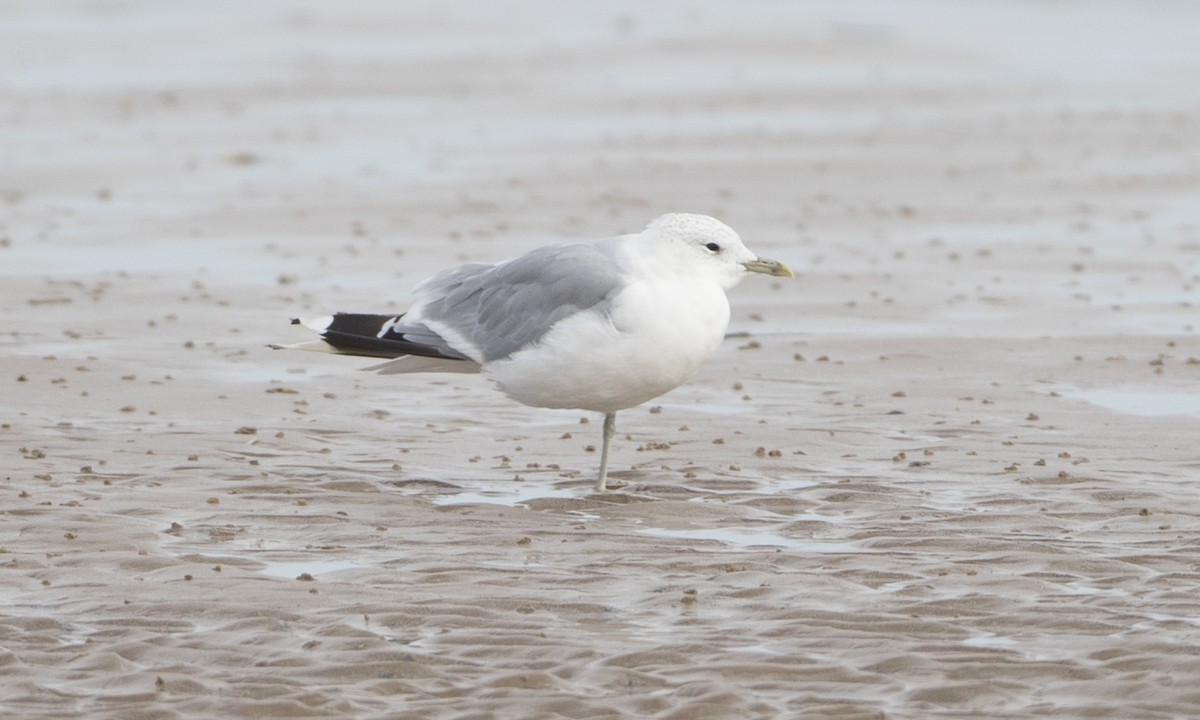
(610, 429)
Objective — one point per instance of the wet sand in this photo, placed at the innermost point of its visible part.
(948, 472)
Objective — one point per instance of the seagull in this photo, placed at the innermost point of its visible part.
(601, 325)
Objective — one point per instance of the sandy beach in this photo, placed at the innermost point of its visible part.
(949, 471)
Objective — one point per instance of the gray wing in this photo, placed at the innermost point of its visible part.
(505, 307)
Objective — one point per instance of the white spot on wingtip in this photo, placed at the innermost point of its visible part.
(387, 326)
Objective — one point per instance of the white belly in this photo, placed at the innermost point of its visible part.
(651, 341)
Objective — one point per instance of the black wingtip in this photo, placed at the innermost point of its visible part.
(295, 321)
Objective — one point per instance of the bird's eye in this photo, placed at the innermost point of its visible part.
(713, 247)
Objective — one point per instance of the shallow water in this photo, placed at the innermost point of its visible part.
(742, 539)
(1150, 404)
(293, 570)
(508, 496)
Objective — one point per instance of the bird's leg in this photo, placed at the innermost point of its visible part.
(610, 429)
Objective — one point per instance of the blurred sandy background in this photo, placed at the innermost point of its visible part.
(948, 472)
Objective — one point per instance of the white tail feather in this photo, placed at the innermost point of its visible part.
(418, 363)
(312, 345)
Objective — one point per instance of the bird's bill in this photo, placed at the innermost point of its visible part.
(769, 267)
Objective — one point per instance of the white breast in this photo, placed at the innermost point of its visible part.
(652, 339)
